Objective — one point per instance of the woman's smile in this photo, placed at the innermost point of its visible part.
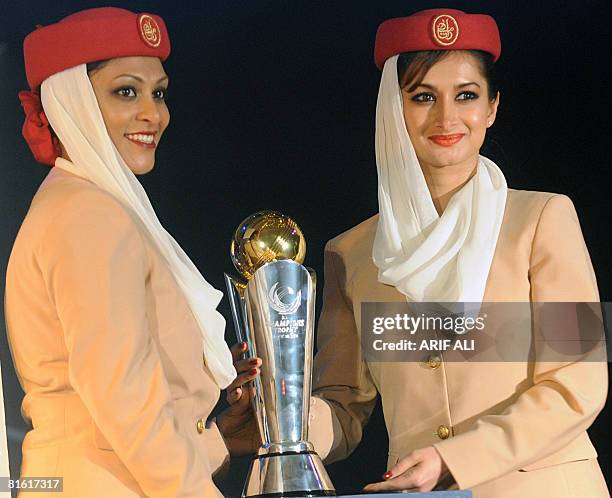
(143, 138)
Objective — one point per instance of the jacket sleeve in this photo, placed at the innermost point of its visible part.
(345, 394)
(565, 396)
(95, 265)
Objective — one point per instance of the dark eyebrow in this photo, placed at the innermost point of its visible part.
(138, 78)
(468, 84)
(425, 85)
(431, 87)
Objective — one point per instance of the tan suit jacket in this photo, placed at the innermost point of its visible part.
(108, 353)
(516, 429)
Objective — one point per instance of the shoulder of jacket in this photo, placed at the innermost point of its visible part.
(363, 232)
(534, 196)
(532, 203)
(76, 207)
(78, 197)
(71, 190)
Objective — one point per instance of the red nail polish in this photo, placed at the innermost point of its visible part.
(387, 475)
(244, 346)
(253, 371)
(253, 361)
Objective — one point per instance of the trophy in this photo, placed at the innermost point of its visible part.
(273, 312)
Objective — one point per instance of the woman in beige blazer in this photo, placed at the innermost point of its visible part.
(113, 331)
(448, 230)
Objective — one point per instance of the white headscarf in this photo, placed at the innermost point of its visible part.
(70, 104)
(428, 257)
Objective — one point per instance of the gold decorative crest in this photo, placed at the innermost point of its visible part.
(445, 30)
(149, 30)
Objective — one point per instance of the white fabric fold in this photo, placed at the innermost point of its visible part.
(427, 257)
(70, 104)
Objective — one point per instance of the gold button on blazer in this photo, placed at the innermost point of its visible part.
(108, 353)
(510, 429)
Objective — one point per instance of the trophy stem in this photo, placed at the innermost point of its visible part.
(276, 313)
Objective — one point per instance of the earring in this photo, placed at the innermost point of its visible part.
(490, 123)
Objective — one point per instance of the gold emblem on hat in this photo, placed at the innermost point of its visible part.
(149, 30)
(445, 30)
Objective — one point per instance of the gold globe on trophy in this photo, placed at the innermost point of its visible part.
(264, 237)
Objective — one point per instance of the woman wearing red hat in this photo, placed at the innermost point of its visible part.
(449, 230)
(113, 330)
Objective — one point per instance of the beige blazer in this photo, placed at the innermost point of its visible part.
(108, 353)
(504, 429)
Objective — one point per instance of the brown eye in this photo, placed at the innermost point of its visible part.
(423, 97)
(126, 91)
(160, 94)
(467, 95)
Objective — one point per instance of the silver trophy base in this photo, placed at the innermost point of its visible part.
(284, 475)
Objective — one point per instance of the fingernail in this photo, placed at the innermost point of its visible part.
(387, 475)
(254, 361)
(244, 346)
(253, 371)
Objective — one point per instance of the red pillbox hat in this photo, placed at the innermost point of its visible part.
(93, 35)
(436, 29)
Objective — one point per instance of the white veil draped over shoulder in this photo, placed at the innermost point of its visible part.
(426, 256)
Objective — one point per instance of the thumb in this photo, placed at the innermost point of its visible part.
(234, 395)
(403, 465)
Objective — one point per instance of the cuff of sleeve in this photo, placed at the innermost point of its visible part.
(468, 468)
(323, 427)
(217, 450)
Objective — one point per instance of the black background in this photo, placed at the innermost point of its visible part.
(272, 106)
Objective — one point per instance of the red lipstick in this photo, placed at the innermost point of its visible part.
(446, 140)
